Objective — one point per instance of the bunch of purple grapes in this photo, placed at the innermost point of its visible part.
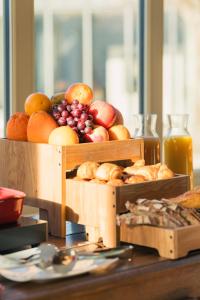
(75, 115)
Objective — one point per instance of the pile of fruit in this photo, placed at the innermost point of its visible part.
(67, 118)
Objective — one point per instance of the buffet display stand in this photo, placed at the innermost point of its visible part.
(39, 170)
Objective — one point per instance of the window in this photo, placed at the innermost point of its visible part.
(91, 41)
(181, 75)
(1, 72)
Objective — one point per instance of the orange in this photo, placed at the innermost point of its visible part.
(118, 132)
(79, 91)
(36, 102)
(16, 128)
(40, 126)
(63, 135)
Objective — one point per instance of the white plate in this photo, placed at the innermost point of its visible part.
(12, 270)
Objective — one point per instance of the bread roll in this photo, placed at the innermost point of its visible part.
(115, 182)
(108, 171)
(135, 179)
(87, 170)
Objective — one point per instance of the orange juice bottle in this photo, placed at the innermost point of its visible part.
(178, 146)
(145, 127)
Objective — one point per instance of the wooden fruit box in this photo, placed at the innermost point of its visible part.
(96, 205)
(170, 243)
(40, 171)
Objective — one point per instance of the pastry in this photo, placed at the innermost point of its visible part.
(164, 172)
(115, 182)
(190, 199)
(152, 172)
(98, 181)
(135, 179)
(108, 171)
(148, 172)
(139, 163)
(87, 170)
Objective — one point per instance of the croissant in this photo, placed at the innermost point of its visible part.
(98, 181)
(164, 172)
(148, 172)
(135, 179)
(139, 163)
(87, 170)
(115, 182)
(108, 171)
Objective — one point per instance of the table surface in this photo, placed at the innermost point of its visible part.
(146, 276)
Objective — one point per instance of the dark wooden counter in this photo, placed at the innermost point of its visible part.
(145, 277)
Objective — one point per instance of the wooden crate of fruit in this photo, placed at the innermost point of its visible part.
(55, 135)
(40, 170)
(96, 204)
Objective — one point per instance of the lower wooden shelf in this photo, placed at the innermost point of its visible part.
(96, 205)
(170, 243)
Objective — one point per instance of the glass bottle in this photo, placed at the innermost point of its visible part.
(145, 127)
(178, 145)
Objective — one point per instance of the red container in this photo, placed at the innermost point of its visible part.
(11, 204)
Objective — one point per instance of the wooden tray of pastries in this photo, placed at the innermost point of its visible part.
(98, 192)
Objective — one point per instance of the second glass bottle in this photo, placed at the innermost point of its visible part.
(145, 127)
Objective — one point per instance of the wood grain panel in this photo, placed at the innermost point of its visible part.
(36, 169)
(158, 189)
(105, 151)
(170, 243)
(93, 205)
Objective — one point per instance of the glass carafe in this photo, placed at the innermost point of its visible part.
(178, 145)
(145, 127)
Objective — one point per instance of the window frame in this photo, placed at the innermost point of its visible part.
(153, 66)
(21, 54)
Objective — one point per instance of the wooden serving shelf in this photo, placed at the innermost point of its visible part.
(39, 170)
(170, 243)
(96, 205)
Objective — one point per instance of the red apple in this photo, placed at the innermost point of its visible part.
(99, 134)
(104, 114)
(79, 91)
(119, 118)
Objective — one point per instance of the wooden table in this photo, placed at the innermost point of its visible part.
(147, 276)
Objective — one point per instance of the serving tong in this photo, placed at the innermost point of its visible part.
(63, 260)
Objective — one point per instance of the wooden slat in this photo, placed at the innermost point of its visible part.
(187, 239)
(105, 151)
(170, 243)
(93, 205)
(159, 189)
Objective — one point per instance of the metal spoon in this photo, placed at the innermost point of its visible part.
(63, 263)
